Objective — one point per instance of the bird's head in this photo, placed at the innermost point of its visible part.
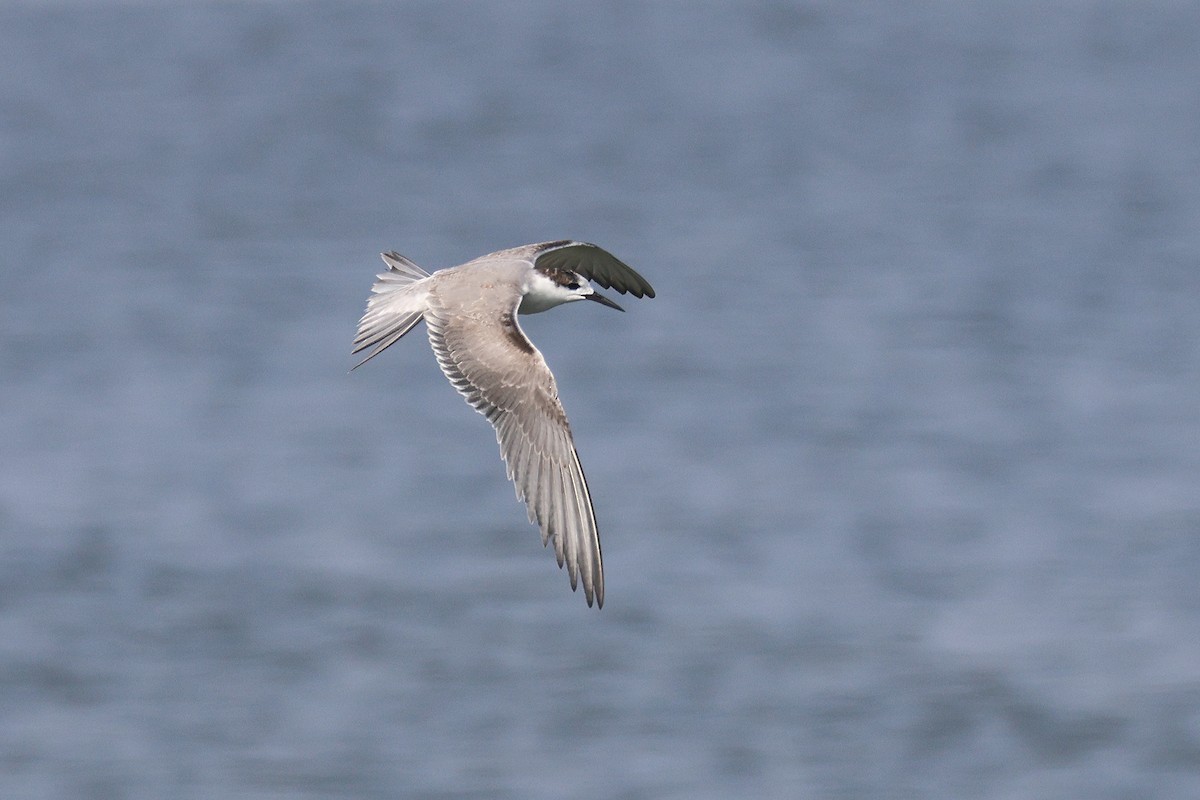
(562, 286)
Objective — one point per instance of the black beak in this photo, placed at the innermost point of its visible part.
(604, 301)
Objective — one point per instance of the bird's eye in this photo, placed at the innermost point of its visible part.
(573, 286)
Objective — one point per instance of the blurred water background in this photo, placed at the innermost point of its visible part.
(897, 477)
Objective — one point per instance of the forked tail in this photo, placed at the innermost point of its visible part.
(401, 272)
(397, 303)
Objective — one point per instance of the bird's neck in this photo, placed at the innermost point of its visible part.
(541, 294)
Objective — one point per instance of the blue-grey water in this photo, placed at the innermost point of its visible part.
(898, 477)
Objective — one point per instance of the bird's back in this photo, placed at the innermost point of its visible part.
(486, 286)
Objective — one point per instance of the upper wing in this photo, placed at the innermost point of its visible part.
(491, 362)
(595, 264)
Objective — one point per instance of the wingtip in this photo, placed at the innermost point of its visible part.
(594, 596)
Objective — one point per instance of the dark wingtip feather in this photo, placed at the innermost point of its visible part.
(608, 270)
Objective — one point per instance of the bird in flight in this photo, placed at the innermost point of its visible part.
(471, 315)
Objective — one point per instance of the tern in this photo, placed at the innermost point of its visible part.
(470, 312)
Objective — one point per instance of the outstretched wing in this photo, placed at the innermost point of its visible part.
(595, 264)
(491, 362)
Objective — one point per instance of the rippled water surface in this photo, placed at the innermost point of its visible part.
(899, 476)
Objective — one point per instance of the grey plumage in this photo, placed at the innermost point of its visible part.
(471, 315)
